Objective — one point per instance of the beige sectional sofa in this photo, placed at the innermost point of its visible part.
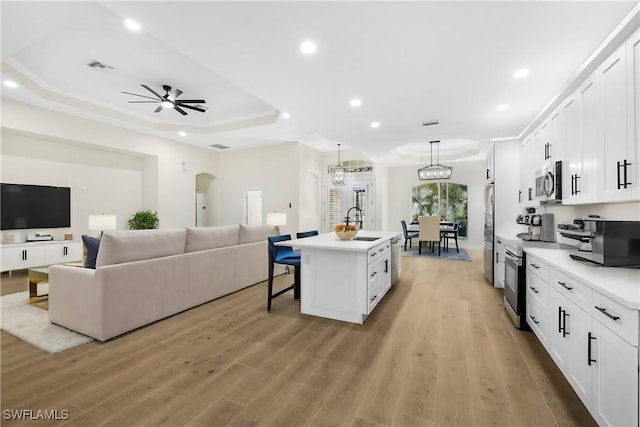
(147, 275)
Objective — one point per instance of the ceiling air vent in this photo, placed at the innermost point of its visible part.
(430, 122)
(219, 146)
(97, 64)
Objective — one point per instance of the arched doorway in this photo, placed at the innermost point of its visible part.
(204, 197)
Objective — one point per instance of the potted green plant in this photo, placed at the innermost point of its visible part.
(143, 220)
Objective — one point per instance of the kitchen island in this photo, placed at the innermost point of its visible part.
(345, 279)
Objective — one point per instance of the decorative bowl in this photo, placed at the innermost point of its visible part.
(346, 235)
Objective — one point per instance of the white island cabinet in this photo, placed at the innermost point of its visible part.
(344, 279)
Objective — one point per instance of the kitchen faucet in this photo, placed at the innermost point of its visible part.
(349, 211)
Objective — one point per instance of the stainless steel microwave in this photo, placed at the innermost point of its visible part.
(549, 184)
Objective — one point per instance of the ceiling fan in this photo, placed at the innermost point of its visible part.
(168, 100)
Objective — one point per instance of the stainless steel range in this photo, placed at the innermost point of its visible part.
(514, 283)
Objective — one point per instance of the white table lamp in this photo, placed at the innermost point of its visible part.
(276, 219)
(102, 223)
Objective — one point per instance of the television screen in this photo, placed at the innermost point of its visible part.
(34, 206)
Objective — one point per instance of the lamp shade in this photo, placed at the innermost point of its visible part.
(102, 222)
(276, 218)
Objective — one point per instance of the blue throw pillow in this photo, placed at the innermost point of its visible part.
(92, 244)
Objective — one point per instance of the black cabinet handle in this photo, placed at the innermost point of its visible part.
(606, 313)
(564, 285)
(577, 191)
(589, 359)
(374, 274)
(386, 265)
(534, 320)
(519, 196)
(623, 183)
(534, 290)
(487, 173)
(530, 193)
(564, 323)
(373, 298)
(499, 242)
(559, 319)
(536, 266)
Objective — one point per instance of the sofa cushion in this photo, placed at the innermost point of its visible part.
(92, 244)
(255, 233)
(203, 238)
(117, 247)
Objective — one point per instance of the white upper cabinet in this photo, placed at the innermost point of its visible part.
(618, 137)
(555, 136)
(580, 112)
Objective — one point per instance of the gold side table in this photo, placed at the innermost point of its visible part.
(37, 275)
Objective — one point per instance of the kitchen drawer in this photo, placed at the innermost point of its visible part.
(574, 290)
(538, 289)
(540, 322)
(537, 267)
(378, 251)
(619, 319)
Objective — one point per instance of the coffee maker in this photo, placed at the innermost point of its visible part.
(540, 227)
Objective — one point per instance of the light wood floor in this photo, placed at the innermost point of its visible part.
(438, 351)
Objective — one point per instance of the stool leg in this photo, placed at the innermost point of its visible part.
(270, 285)
(296, 284)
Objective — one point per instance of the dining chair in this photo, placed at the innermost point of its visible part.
(284, 255)
(303, 234)
(429, 231)
(451, 234)
(408, 235)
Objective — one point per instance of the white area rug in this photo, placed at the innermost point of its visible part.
(31, 324)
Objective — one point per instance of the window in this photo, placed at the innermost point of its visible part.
(448, 200)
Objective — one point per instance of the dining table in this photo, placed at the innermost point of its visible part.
(445, 227)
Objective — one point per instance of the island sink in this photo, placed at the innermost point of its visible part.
(366, 239)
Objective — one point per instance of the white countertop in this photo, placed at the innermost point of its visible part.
(619, 283)
(331, 242)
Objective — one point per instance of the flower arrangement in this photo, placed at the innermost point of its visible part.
(345, 232)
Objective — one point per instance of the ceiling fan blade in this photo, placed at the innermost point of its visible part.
(143, 102)
(176, 93)
(151, 90)
(135, 94)
(180, 110)
(157, 110)
(191, 107)
(191, 101)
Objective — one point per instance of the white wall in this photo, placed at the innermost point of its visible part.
(310, 190)
(472, 174)
(168, 188)
(273, 170)
(89, 173)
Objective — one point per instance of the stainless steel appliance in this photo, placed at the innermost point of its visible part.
(614, 243)
(549, 184)
(540, 227)
(514, 284)
(488, 232)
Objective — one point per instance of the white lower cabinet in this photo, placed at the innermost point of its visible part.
(592, 339)
(28, 255)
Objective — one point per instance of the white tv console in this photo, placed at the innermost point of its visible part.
(33, 254)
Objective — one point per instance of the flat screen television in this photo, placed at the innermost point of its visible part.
(24, 206)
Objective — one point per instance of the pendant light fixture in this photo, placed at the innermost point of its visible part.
(339, 174)
(437, 171)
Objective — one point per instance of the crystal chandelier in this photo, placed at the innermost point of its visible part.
(339, 174)
(436, 171)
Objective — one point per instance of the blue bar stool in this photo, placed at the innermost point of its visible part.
(286, 256)
(303, 234)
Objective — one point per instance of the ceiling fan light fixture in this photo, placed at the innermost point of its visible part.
(167, 104)
(338, 173)
(435, 171)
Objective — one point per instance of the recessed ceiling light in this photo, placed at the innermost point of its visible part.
(132, 25)
(182, 133)
(10, 83)
(502, 107)
(375, 124)
(308, 47)
(286, 115)
(355, 103)
(523, 72)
